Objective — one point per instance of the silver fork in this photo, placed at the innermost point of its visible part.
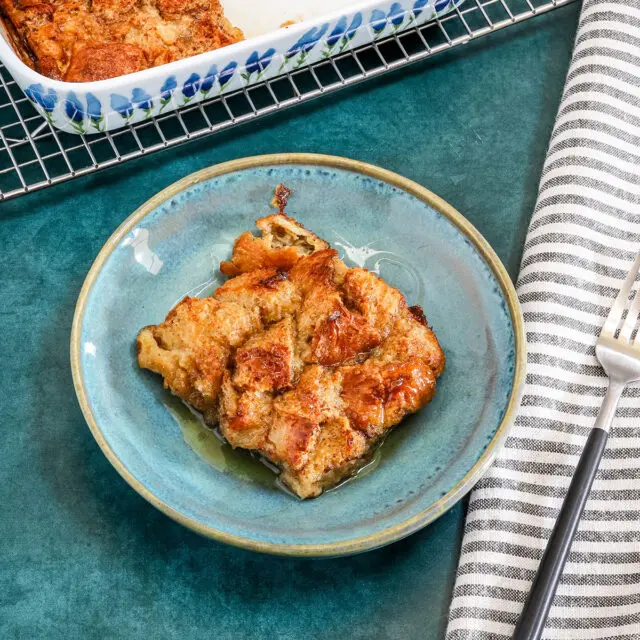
(619, 356)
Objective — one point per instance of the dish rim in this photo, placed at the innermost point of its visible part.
(360, 543)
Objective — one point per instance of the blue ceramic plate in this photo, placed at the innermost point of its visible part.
(172, 245)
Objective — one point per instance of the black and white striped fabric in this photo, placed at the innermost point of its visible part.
(583, 238)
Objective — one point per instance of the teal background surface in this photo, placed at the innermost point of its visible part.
(81, 554)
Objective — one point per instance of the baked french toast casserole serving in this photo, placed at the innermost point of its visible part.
(296, 356)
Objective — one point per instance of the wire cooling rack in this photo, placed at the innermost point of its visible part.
(34, 155)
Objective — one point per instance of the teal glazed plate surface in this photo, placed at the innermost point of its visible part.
(172, 246)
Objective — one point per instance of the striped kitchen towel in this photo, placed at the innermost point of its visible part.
(583, 238)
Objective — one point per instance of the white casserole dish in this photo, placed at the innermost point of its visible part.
(105, 105)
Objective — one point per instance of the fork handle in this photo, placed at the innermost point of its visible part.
(536, 608)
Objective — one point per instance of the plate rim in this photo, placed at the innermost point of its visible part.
(361, 543)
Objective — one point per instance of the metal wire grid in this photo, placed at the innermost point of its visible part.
(34, 155)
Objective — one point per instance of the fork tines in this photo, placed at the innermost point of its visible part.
(622, 303)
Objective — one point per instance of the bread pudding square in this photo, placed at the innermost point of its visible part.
(297, 357)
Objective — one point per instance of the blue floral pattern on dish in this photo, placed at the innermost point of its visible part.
(396, 16)
(166, 92)
(304, 45)
(417, 9)
(209, 80)
(226, 74)
(342, 34)
(75, 112)
(378, 21)
(191, 87)
(46, 99)
(257, 63)
(142, 100)
(122, 106)
(338, 31)
(94, 111)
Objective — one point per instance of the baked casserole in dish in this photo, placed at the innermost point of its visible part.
(97, 65)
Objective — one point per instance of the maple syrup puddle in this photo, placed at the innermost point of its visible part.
(213, 449)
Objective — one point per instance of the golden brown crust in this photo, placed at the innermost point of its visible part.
(85, 40)
(363, 395)
(245, 417)
(188, 353)
(92, 61)
(341, 336)
(291, 439)
(408, 385)
(339, 451)
(282, 243)
(414, 339)
(266, 291)
(266, 361)
(345, 312)
(310, 367)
